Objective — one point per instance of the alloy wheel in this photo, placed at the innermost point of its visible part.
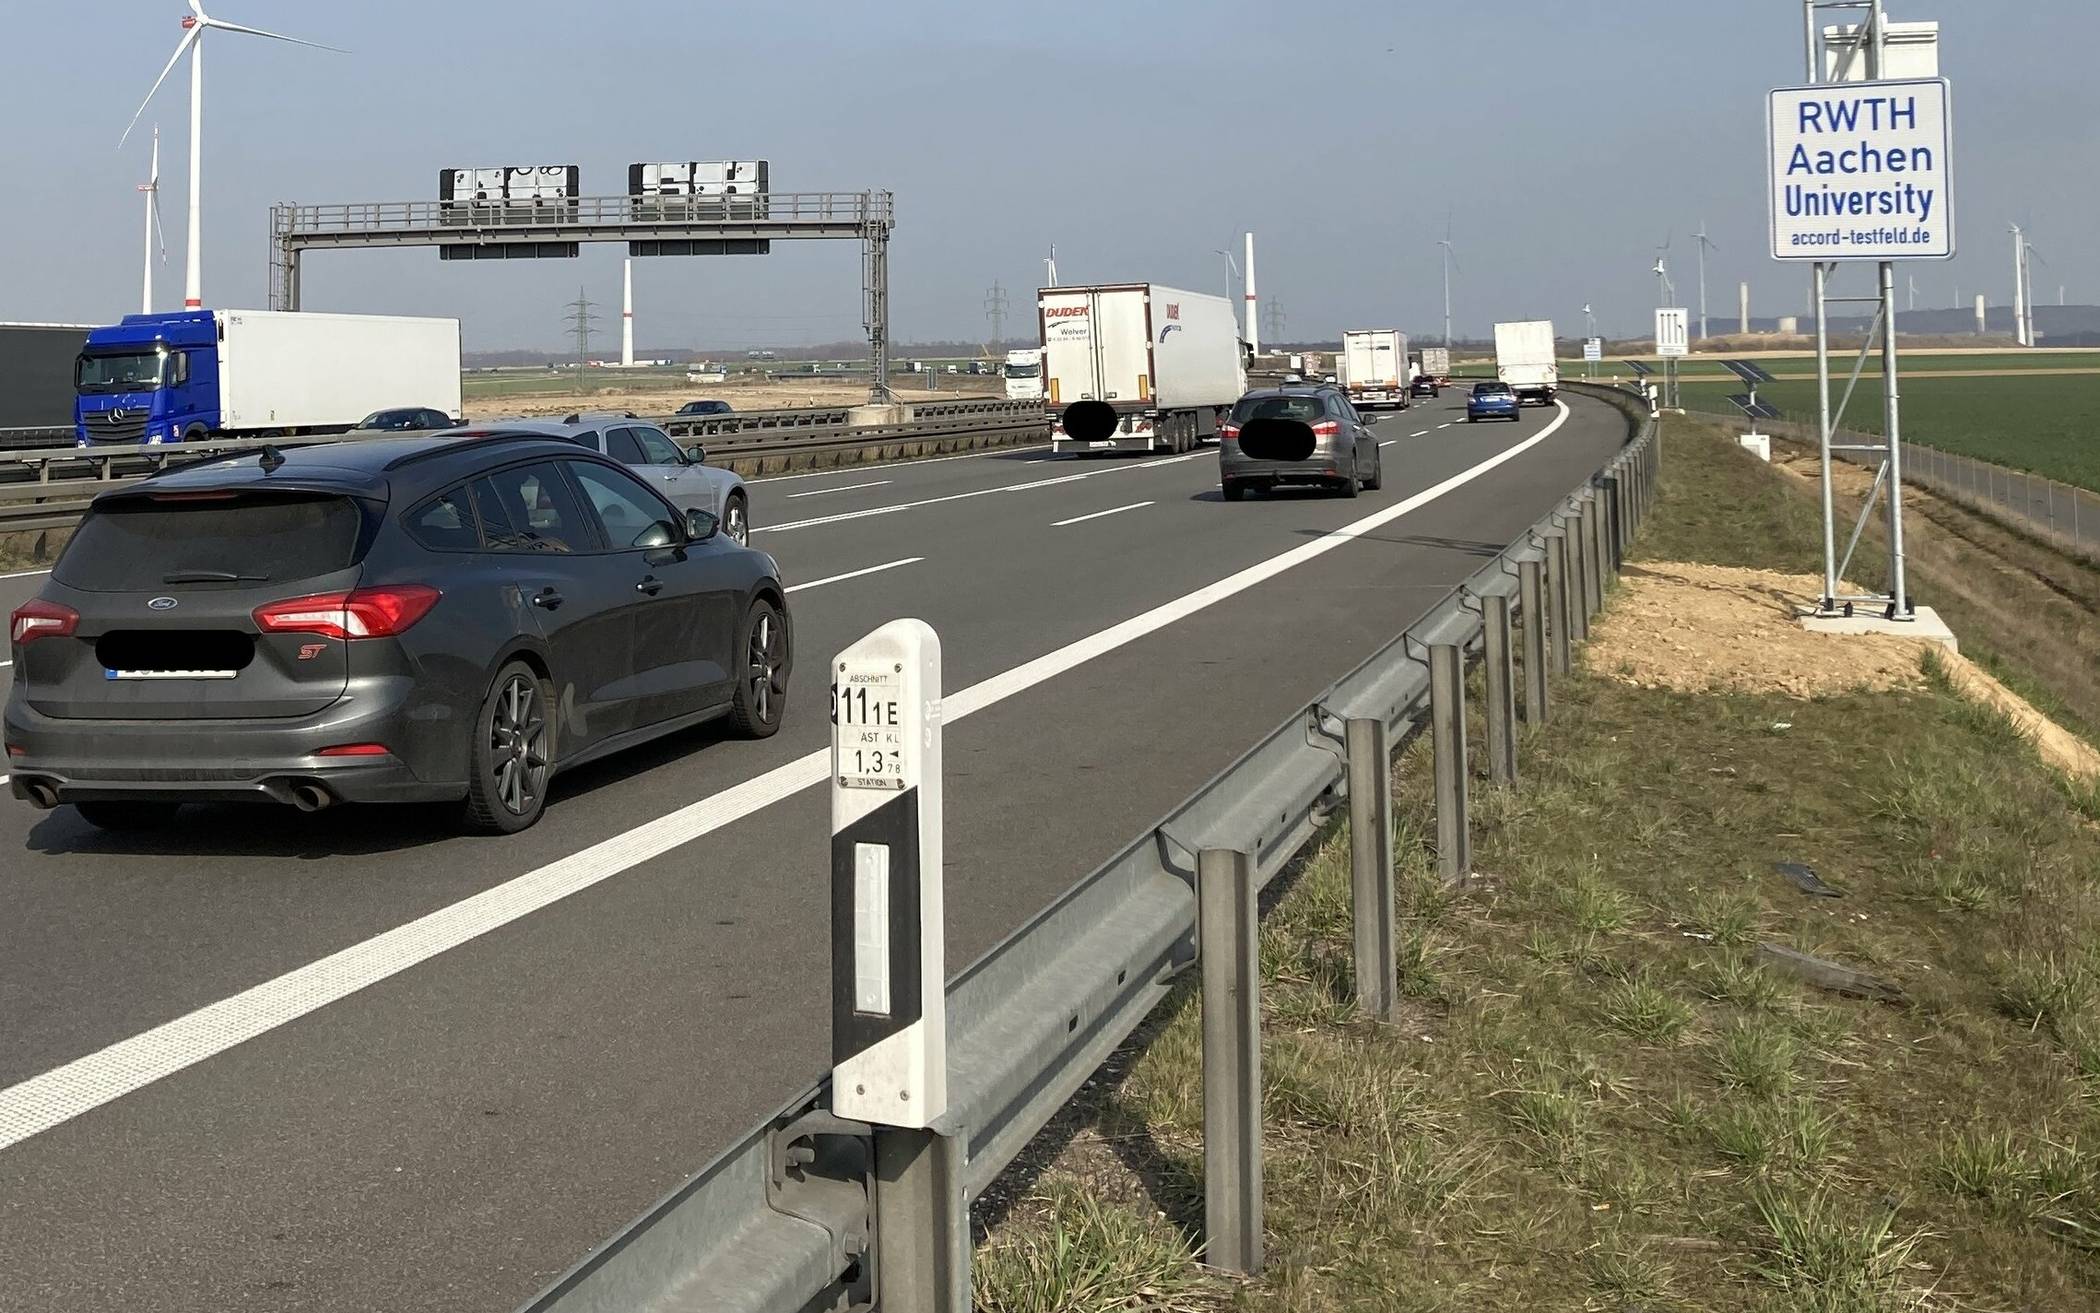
(768, 640)
(518, 746)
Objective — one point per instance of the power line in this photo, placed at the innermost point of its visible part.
(1273, 319)
(580, 320)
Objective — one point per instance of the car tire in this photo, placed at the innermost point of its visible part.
(763, 661)
(128, 817)
(1234, 491)
(1354, 483)
(511, 756)
(1377, 479)
(736, 519)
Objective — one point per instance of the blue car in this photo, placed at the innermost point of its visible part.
(1491, 401)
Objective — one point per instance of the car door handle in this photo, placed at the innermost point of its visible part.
(546, 599)
(650, 585)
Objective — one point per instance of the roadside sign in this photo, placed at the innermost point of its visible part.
(888, 973)
(1673, 332)
(1860, 171)
(1593, 348)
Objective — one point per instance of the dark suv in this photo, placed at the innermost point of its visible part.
(391, 620)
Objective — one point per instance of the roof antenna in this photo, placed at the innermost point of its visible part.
(271, 460)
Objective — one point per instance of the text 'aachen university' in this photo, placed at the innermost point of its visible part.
(1873, 113)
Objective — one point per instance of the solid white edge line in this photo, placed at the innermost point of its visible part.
(24, 574)
(891, 464)
(1077, 519)
(851, 487)
(855, 574)
(88, 1082)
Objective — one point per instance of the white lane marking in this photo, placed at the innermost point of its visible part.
(24, 574)
(1080, 519)
(5, 664)
(1445, 425)
(851, 487)
(855, 574)
(1423, 434)
(86, 1083)
(892, 464)
(1388, 442)
(965, 496)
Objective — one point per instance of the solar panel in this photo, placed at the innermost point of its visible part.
(1754, 408)
(1750, 373)
(1639, 368)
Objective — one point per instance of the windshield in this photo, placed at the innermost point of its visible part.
(1305, 410)
(1029, 370)
(137, 543)
(132, 372)
(1490, 389)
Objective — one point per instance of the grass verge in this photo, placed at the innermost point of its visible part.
(1597, 1096)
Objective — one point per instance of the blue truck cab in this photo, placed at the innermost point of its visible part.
(151, 379)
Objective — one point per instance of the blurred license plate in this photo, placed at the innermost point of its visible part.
(169, 674)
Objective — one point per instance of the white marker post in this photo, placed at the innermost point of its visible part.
(888, 968)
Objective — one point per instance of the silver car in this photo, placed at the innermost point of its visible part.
(1301, 435)
(682, 474)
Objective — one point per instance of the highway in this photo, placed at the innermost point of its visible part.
(510, 1047)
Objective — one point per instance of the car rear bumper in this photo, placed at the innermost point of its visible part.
(1324, 470)
(68, 760)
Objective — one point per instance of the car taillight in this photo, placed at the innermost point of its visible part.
(1327, 428)
(355, 750)
(38, 618)
(1228, 433)
(359, 613)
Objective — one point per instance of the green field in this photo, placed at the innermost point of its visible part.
(2049, 425)
(1841, 362)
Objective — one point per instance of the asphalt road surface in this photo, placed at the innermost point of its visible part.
(354, 1060)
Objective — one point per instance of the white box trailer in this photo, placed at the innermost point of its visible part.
(1374, 367)
(1436, 362)
(1524, 359)
(299, 370)
(1137, 366)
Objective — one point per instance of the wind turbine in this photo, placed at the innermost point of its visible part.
(1705, 245)
(2032, 252)
(1450, 260)
(1050, 265)
(193, 29)
(1664, 288)
(154, 236)
(2019, 307)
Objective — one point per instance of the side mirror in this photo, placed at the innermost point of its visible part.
(657, 536)
(696, 453)
(700, 526)
(1372, 419)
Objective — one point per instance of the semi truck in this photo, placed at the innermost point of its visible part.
(1374, 367)
(1436, 362)
(1524, 360)
(36, 382)
(1137, 366)
(1024, 375)
(187, 375)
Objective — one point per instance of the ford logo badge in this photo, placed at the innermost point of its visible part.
(161, 604)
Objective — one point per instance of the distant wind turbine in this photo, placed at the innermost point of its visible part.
(1664, 288)
(154, 235)
(192, 43)
(1450, 262)
(1705, 244)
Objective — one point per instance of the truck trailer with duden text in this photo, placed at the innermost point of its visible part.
(1137, 366)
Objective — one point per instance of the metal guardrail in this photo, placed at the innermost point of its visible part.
(49, 488)
(791, 1218)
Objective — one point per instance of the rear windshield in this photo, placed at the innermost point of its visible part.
(153, 542)
(1490, 389)
(1305, 410)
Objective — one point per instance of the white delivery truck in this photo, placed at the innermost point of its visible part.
(1436, 362)
(1374, 367)
(1137, 366)
(1524, 359)
(1024, 375)
(182, 375)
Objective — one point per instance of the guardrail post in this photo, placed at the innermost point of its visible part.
(1229, 944)
(1592, 560)
(1447, 731)
(1558, 598)
(1614, 520)
(1578, 576)
(1501, 685)
(1369, 749)
(922, 1233)
(1531, 605)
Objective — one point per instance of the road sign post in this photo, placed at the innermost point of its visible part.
(889, 1023)
(1673, 341)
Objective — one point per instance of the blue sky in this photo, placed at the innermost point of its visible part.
(1564, 141)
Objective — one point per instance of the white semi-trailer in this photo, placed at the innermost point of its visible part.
(1137, 366)
(1436, 362)
(1524, 359)
(1374, 367)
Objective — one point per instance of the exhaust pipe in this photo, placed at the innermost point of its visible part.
(310, 797)
(41, 795)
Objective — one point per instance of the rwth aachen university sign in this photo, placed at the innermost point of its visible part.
(1860, 171)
